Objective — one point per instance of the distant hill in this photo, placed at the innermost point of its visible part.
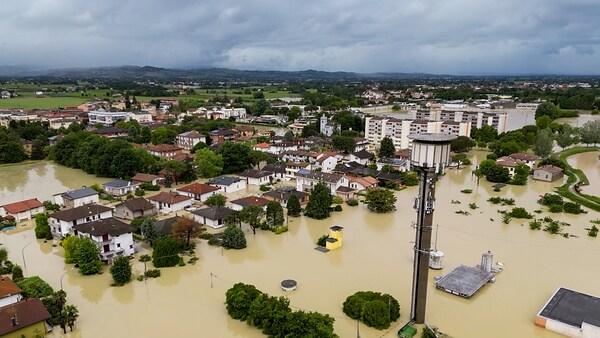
(200, 74)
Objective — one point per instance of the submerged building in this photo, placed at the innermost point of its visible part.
(571, 313)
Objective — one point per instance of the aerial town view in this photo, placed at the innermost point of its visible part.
(300, 169)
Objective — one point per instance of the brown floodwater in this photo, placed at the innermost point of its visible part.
(40, 179)
(377, 255)
(590, 163)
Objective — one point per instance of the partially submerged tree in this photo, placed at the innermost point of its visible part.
(319, 202)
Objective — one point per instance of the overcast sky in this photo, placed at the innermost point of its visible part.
(433, 36)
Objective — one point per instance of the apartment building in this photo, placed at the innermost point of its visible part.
(475, 119)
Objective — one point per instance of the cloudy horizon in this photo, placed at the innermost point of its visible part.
(444, 37)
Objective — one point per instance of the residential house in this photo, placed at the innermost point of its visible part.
(10, 293)
(327, 162)
(508, 163)
(281, 147)
(299, 156)
(166, 151)
(213, 217)
(264, 147)
(221, 135)
(111, 132)
(142, 178)
(167, 202)
(164, 227)
(282, 195)
(62, 221)
(257, 177)
(277, 171)
(120, 187)
(228, 184)
(363, 157)
(26, 318)
(548, 173)
(198, 191)
(240, 203)
(400, 164)
(329, 127)
(22, 210)
(134, 207)
(307, 179)
(387, 179)
(525, 158)
(360, 183)
(360, 144)
(76, 198)
(189, 139)
(291, 168)
(114, 238)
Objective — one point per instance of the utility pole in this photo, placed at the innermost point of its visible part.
(430, 154)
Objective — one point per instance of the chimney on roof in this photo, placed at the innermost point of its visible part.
(13, 320)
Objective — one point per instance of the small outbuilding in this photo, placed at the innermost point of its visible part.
(571, 313)
(548, 173)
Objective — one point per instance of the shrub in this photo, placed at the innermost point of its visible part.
(145, 258)
(322, 241)
(153, 273)
(473, 206)
(553, 227)
(519, 213)
(501, 201)
(17, 273)
(573, 208)
(466, 191)
(149, 187)
(352, 202)
(337, 200)
(293, 206)
(238, 300)
(380, 200)
(165, 252)
(121, 270)
(535, 225)
(42, 228)
(551, 199)
(140, 192)
(337, 208)
(233, 238)
(555, 208)
(264, 188)
(280, 229)
(593, 231)
(372, 308)
(35, 287)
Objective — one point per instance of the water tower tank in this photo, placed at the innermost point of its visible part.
(435, 259)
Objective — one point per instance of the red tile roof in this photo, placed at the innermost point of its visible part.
(26, 313)
(17, 207)
(251, 200)
(198, 188)
(169, 197)
(8, 287)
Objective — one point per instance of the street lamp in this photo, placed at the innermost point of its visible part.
(430, 155)
(23, 255)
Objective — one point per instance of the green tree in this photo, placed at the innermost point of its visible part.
(521, 174)
(380, 200)
(547, 109)
(566, 136)
(590, 132)
(55, 304)
(42, 228)
(274, 214)
(497, 174)
(165, 252)
(217, 200)
(162, 135)
(319, 202)
(236, 157)
(293, 206)
(70, 315)
(238, 300)
(543, 121)
(208, 163)
(184, 230)
(17, 273)
(343, 143)
(69, 245)
(288, 136)
(87, 257)
(372, 308)
(233, 238)
(175, 169)
(543, 143)
(252, 215)
(462, 144)
(148, 231)
(485, 134)
(386, 148)
(121, 270)
(309, 324)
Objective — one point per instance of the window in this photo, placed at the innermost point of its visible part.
(118, 245)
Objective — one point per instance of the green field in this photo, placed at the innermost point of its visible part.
(42, 102)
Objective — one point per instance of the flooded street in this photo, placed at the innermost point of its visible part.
(377, 255)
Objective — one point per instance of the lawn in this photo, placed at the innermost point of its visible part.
(42, 102)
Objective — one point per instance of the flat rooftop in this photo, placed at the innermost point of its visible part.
(464, 281)
(572, 308)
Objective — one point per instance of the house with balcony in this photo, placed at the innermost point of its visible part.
(114, 238)
(62, 221)
(307, 179)
(166, 151)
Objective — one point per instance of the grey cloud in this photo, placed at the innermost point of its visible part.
(451, 36)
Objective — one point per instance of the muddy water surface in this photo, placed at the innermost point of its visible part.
(377, 255)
